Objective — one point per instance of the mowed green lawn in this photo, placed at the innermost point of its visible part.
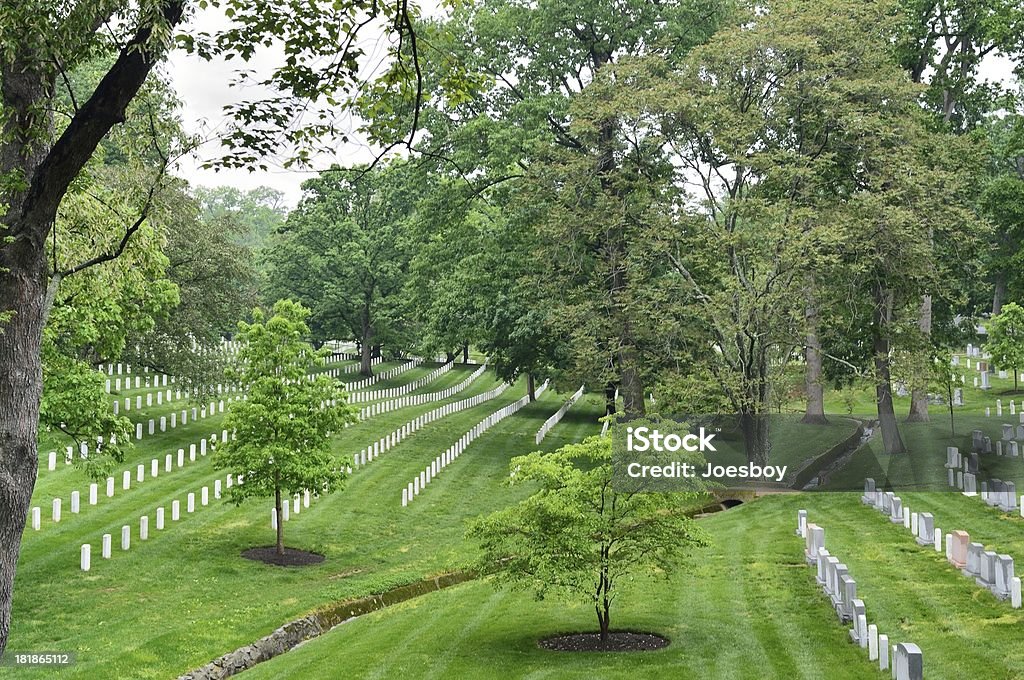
(185, 596)
(746, 608)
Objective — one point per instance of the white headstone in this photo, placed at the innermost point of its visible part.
(144, 528)
(106, 547)
(159, 519)
(75, 502)
(36, 518)
(86, 560)
(908, 661)
(126, 537)
(56, 509)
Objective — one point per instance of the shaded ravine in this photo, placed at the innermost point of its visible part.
(839, 456)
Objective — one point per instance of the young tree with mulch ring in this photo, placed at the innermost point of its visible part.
(282, 430)
(578, 536)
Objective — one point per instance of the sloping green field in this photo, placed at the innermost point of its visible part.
(748, 607)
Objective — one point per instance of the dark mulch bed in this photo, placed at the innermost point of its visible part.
(291, 558)
(618, 641)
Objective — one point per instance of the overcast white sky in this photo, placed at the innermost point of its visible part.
(206, 87)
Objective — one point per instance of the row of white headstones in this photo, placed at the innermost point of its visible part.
(164, 424)
(999, 409)
(85, 563)
(907, 661)
(419, 483)
(385, 443)
(417, 399)
(994, 492)
(958, 469)
(122, 369)
(374, 395)
(988, 569)
(557, 417)
(126, 479)
(161, 380)
(164, 396)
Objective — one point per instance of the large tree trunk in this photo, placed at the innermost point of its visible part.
(892, 441)
(366, 347)
(919, 391)
(999, 294)
(365, 357)
(22, 291)
(531, 386)
(44, 174)
(814, 414)
(755, 437)
(632, 387)
(465, 353)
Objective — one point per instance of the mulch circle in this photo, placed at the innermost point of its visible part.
(291, 558)
(618, 641)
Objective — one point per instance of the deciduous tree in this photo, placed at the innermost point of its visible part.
(578, 536)
(280, 441)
